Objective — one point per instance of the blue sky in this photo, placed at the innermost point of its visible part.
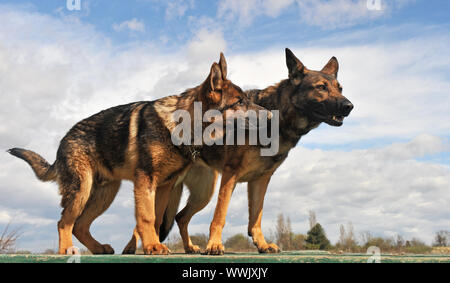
(161, 20)
(390, 160)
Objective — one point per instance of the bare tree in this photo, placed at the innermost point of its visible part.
(400, 242)
(347, 238)
(442, 239)
(312, 219)
(174, 243)
(283, 233)
(8, 239)
(366, 238)
(342, 235)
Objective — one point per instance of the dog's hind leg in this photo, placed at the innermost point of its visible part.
(100, 200)
(76, 188)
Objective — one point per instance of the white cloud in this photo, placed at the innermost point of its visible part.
(246, 11)
(336, 13)
(133, 25)
(178, 8)
(17, 217)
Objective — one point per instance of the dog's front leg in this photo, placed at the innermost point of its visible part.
(145, 193)
(162, 198)
(256, 193)
(215, 246)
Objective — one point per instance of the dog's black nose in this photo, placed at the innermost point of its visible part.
(347, 107)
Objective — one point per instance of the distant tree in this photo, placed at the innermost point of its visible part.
(49, 252)
(8, 239)
(312, 219)
(400, 242)
(85, 252)
(442, 239)
(283, 233)
(418, 247)
(25, 252)
(298, 242)
(347, 241)
(174, 243)
(366, 237)
(317, 239)
(239, 242)
(200, 240)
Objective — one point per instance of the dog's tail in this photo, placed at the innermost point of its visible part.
(171, 212)
(43, 170)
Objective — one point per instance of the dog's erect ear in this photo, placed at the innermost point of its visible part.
(332, 67)
(223, 66)
(296, 68)
(216, 82)
(216, 77)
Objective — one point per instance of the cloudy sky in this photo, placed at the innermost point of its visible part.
(387, 170)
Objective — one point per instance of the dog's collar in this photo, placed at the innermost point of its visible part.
(193, 150)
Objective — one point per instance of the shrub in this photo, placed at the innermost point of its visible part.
(239, 242)
(317, 238)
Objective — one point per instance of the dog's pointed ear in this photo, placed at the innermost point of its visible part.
(295, 66)
(216, 77)
(223, 66)
(216, 83)
(332, 67)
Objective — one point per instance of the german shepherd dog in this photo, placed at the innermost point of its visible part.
(129, 142)
(305, 100)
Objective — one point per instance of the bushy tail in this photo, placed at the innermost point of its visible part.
(171, 212)
(43, 170)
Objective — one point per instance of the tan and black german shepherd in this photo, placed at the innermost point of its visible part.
(129, 142)
(305, 100)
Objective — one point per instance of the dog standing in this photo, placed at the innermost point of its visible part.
(305, 100)
(129, 142)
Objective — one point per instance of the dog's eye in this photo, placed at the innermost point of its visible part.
(241, 101)
(322, 87)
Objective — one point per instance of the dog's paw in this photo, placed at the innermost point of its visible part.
(193, 249)
(156, 249)
(269, 249)
(107, 249)
(129, 250)
(103, 250)
(214, 249)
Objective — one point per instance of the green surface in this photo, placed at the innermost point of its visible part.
(287, 257)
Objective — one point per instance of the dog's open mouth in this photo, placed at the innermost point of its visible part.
(336, 120)
(339, 119)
